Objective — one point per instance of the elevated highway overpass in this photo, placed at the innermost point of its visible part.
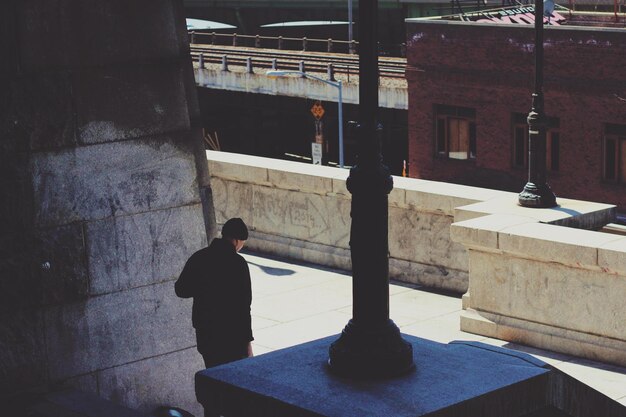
(254, 114)
(246, 68)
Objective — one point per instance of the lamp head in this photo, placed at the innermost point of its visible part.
(275, 73)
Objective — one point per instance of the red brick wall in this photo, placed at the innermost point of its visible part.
(491, 68)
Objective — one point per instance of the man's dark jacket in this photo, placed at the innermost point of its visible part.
(218, 279)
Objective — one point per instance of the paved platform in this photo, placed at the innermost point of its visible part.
(294, 303)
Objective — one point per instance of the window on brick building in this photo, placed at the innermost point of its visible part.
(615, 153)
(455, 132)
(520, 142)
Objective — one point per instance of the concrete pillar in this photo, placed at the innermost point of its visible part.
(104, 192)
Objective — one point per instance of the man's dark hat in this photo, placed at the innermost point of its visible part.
(235, 228)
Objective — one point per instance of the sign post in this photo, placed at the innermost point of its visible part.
(316, 153)
(316, 147)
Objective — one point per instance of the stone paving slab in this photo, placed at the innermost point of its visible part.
(295, 303)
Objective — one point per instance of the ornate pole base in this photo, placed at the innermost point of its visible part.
(537, 196)
(370, 351)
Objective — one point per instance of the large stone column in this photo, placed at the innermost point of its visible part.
(105, 193)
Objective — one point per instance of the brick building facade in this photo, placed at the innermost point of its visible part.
(470, 87)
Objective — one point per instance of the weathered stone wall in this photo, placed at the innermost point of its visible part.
(542, 277)
(547, 286)
(102, 185)
(302, 212)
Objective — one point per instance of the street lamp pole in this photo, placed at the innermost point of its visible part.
(350, 23)
(370, 345)
(537, 192)
(338, 85)
(340, 120)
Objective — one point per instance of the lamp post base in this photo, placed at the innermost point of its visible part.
(366, 350)
(535, 196)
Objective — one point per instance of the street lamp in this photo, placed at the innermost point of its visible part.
(350, 26)
(537, 192)
(337, 84)
(370, 345)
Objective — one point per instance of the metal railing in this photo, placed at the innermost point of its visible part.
(319, 64)
(273, 42)
(286, 43)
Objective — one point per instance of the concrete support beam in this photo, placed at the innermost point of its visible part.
(389, 97)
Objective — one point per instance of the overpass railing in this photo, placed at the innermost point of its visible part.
(251, 61)
(289, 43)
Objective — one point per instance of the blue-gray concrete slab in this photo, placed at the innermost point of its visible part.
(455, 379)
(72, 403)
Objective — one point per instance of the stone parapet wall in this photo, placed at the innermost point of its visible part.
(541, 277)
(302, 212)
(544, 285)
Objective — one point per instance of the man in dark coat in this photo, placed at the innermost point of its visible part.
(218, 279)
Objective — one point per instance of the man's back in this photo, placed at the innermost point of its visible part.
(218, 279)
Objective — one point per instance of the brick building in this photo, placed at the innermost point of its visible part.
(470, 87)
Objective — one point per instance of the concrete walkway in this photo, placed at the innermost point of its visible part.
(295, 303)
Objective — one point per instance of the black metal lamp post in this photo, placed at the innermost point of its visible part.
(537, 192)
(371, 344)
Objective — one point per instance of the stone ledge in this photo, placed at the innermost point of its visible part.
(238, 172)
(416, 194)
(536, 282)
(269, 172)
(523, 236)
(299, 181)
(570, 213)
(586, 345)
(482, 232)
(554, 243)
(442, 197)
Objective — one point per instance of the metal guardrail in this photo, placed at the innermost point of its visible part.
(275, 42)
(287, 43)
(267, 60)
